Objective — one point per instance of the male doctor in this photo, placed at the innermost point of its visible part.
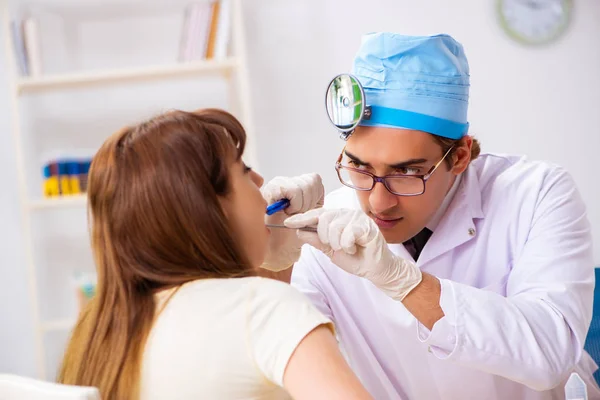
(448, 274)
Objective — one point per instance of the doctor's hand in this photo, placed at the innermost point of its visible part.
(305, 193)
(354, 243)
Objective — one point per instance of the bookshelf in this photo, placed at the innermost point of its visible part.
(57, 325)
(117, 76)
(231, 69)
(79, 200)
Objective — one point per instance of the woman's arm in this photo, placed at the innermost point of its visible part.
(317, 370)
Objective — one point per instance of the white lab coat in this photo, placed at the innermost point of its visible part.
(513, 253)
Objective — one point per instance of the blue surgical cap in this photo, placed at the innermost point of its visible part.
(415, 82)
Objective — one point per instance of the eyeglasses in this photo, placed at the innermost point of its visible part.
(400, 185)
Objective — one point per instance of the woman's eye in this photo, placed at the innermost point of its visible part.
(247, 168)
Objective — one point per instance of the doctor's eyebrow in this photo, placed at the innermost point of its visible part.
(400, 165)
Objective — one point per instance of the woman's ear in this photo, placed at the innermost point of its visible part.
(462, 155)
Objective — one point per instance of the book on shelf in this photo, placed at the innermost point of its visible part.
(205, 31)
(66, 174)
(205, 35)
(25, 39)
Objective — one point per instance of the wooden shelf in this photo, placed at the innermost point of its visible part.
(54, 82)
(58, 325)
(79, 200)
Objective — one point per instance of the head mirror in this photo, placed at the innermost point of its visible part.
(345, 103)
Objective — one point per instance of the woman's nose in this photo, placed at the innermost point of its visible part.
(258, 179)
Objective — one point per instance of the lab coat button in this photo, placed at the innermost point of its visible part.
(451, 338)
(471, 231)
(429, 349)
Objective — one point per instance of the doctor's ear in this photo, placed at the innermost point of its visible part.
(462, 155)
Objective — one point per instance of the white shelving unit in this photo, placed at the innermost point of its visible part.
(232, 69)
(224, 67)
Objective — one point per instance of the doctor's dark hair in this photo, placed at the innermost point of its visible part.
(446, 144)
(156, 222)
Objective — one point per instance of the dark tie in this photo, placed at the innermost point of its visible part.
(417, 243)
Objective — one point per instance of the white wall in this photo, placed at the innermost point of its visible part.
(544, 102)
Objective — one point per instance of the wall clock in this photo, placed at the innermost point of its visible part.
(534, 22)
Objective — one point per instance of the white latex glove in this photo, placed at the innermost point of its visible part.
(354, 243)
(305, 193)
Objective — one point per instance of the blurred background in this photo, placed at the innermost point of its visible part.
(73, 72)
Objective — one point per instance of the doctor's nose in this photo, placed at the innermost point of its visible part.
(381, 200)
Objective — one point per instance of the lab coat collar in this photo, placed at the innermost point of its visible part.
(433, 224)
(456, 226)
(472, 192)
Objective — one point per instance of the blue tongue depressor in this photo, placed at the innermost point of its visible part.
(278, 206)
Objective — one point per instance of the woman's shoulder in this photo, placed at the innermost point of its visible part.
(278, 317)
(233, 290)
(235, 298)
(249, 295)
(247, 285)
(272, 304)
(262, 291)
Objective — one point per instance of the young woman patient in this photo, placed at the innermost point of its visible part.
(178, 233)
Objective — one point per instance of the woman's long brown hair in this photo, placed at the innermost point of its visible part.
(155, 223)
